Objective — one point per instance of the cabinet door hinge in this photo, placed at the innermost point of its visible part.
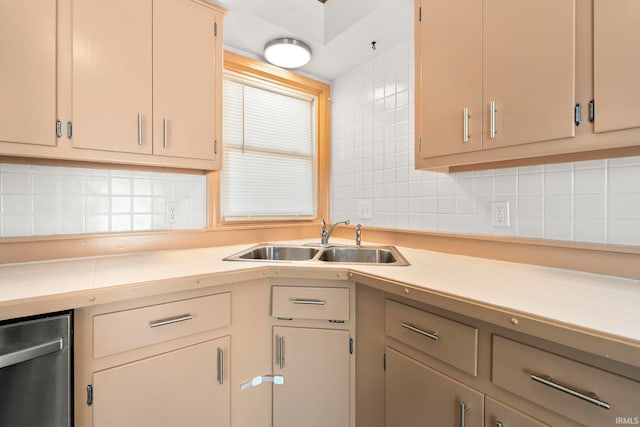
(592, 111)
(384, 362)
(577, 114)
(350, 345)
(215, 29)
(89, 394)
(58, 128)
(69, 130)
(420, 14)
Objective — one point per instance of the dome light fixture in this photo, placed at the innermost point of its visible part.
(286, 52)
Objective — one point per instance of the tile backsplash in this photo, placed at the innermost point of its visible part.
(44, 200)
(372, 159)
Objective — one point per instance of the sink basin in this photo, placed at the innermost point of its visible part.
(385, 255)
(378, 255)
(275, 253)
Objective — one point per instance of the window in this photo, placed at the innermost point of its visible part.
(270, 151)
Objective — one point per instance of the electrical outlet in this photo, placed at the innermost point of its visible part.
(171, 212)
(500, 214)
(365, 210)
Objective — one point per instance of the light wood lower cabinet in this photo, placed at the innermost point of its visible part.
(418, 396)
(185, 387)
(315, 364)
(497, 414)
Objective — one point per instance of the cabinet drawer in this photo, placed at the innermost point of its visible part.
(583, 393)
(130, 329)
(447, 340)
(310, 303)
(497, 414)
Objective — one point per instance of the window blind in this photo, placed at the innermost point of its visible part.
(269, 162)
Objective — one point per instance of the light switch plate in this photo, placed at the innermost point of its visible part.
(365, 210)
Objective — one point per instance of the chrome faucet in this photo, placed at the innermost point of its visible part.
(358, 235)
(326, 233)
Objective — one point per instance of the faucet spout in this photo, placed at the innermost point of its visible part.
(326, 233)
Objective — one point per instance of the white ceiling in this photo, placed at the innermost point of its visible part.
(339, 32)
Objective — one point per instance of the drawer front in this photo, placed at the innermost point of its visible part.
(448, 340)
(310, 303)
(579, 392)
(130, 329)
(497, 414)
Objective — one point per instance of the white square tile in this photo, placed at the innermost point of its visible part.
(482, 224)
(162, 188)
(558, 228)
(142, 222)
(482, 185)
(530, 183)
(16, 205)
(624, 179)
(589, 206)
(624, 206)
(71, 184)
(16, 225)
(120, 222)
(71, 224)
(97, 223)
(505, 185)
(45, 205)
(120, 186)
(10, 167)
(530, 227)
(45, 184)
(446, 223)
(447, 205)
(558, 206)
(120, 205)
(97, 185)
(15, 183)
(97, 204)
(45, 225)
(590, 230)
(589, 181)
(623, 232)
(430, 205)
(530, 206)
(558, 182)
(464, 224)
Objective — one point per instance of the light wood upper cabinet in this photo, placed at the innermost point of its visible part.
(616, 64)
(28, 72)
(493, 73)
(528, 70)
(185, 65)
(149, 87)
(449, 78)
(112, 87)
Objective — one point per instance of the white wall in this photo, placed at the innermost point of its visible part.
(43, 200)
(372, 158)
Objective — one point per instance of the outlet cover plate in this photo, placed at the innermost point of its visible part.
(500, 214)
(171, 212)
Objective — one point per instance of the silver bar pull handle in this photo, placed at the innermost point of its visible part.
(550, 383)
(492, 109)
(164, 126)
(281, 352)
(255, 382)
(30, 353)
(220, 366)
(463, 409)
(139, 128)
(499, 424)
(465, 137)
(302, 301)
(432, 335)
(170, 320)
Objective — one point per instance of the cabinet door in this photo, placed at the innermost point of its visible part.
(184, 75)
(184, 387)
(417, 396)
(28, 71)
(315, 366)
(112, 75)
(449, 76)
(616, 67)
(500, 415)
(528, 70)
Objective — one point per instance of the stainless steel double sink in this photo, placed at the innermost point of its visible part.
(378, 255)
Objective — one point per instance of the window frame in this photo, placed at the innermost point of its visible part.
(271, 75)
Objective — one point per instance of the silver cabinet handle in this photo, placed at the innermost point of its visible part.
(170, 320)
(550, 383)
(281, 352)
(164, 126)
(465, 138)
(255, 382)
(498, 424)
(220, 366)
(308, 301)
(139, 128)
(492, 108)
(30, 353)
(432, 335)
(463, 409)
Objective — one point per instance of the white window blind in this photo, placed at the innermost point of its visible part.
(269, 167)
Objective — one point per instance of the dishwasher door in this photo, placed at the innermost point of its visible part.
(35, 380)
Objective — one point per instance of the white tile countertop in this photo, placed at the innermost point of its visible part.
(605, 304)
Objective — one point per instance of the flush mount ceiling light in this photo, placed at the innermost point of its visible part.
(286, 52)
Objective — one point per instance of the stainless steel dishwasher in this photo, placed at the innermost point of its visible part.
(35, 371)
